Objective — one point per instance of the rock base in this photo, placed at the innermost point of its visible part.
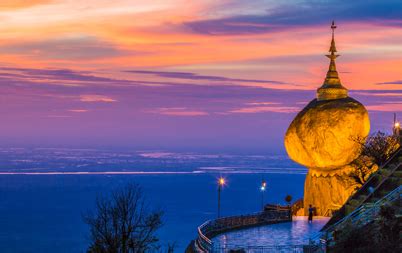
(327, 192)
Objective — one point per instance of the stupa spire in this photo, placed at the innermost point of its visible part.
(332, 49)
(332, 87)
(332, 75)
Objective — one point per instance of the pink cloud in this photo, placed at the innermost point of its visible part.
(78, 110)
(386, 107)
(58, 116)
(266, 107)
(389, 94)
(179, 111)
(96, 98)
(263, 103)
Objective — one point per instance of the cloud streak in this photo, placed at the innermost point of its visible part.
(96, 98)
(20, 4)
(69, 48)
(193, 76)
(264, 109)
(386, 107)
(179, 111)
(78, 110)
(397, 82)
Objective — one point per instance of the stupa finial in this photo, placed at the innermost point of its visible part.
(332, 87)
(332, 74)
(332, 49)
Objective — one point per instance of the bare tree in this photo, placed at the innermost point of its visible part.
(376, 149)
(363, 168)
(122, 223)
(378, 146)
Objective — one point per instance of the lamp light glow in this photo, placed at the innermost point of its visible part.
(221, 181)
(263, 186)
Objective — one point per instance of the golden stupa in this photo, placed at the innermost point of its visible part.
(332, 87)
(323, 136)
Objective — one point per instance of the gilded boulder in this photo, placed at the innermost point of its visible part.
(323, 134)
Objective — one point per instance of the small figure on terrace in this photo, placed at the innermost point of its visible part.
(310, 213)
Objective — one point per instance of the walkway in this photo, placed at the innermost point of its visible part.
(296, 232)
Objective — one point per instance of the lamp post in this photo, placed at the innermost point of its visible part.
(263, 188)
(221, 183)
(397, 129)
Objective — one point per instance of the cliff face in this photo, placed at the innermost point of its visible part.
(322, 134)
(322, 138)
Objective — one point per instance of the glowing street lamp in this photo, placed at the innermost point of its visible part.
(221, 183)
(397, 131)
(397, 127)
(263, 188)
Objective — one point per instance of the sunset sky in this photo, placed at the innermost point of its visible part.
(202, 75)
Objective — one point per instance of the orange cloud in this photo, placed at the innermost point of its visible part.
(18, 4)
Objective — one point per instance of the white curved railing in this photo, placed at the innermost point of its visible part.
(214, 227)
(203, 241)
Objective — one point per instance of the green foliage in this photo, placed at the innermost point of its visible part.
(382, 235)
(350, 239)
(354, 202)
(389, 229)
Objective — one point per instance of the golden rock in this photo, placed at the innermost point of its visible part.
(323, 134)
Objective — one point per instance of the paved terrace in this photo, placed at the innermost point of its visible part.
(270, 231)
(296, 232)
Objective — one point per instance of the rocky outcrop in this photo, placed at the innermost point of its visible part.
(322, 137)
(322, 134)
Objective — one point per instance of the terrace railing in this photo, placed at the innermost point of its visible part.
(211, 228)
(267, 249)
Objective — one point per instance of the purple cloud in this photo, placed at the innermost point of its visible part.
(193, 76)
(52, 74)
(300, 14)
(391, 82)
